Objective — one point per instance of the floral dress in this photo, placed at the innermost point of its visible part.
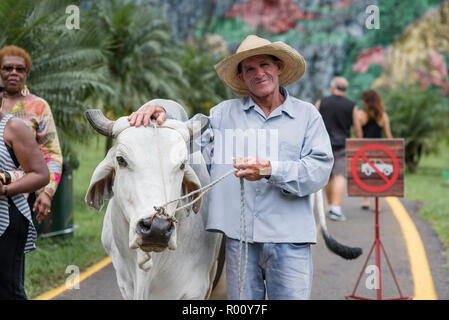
(37, 115)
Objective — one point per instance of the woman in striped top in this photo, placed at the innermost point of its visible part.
(15, 66)
(18, 147)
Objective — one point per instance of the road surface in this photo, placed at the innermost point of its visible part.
(334, 277)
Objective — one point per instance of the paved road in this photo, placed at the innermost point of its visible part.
(335, 277)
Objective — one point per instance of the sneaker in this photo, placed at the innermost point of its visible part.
(336, 216)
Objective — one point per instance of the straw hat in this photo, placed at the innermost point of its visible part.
(294, 64)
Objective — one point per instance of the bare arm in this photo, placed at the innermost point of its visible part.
(386, 127)
(363, 119)
(20, 138)
(356, 123)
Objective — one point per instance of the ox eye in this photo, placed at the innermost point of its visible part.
(121, 161)
(182, 166)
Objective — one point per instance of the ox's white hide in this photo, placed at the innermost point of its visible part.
(184, 273)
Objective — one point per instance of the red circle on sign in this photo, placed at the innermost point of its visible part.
(363, 185)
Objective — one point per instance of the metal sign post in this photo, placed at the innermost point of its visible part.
(375, 168)
(379, 246)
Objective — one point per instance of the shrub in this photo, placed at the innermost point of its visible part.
(420, 117)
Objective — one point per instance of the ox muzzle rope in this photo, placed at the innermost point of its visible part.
(202, 191)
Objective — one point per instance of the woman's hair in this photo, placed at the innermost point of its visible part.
(372, 104)
(18, 52)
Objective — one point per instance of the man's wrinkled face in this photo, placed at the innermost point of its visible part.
(261, 75)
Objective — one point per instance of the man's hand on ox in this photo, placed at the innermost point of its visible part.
(252, 169)
(145, 113)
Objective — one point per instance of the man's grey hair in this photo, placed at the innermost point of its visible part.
(339, 83)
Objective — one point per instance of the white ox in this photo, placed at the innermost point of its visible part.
(134, 236)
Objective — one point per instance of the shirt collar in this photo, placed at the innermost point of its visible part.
(286, 107)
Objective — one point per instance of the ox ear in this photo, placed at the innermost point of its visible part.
(192, 183)
(101, 183)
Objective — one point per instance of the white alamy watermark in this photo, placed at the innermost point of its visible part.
(232, 145)
(73, 280)
(372, 282)
(73, 20)
(373, 19)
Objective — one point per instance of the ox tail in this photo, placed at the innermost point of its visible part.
(221, 261)
(333, 245)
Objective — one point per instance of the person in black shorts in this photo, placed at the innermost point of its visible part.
(339, 114)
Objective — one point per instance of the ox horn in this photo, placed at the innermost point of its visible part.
(99, 122)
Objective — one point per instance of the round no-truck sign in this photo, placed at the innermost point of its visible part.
(375, 167)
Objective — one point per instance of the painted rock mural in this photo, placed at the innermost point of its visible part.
(270, 16)
(420, 54)
(334, 36)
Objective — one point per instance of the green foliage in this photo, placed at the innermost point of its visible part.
(139, 51)
(428, 187)
(204, 89)
(139, 57)
(123, 55)
(65, 62)
(420, 117)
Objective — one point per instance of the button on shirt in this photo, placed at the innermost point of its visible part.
(293, 137)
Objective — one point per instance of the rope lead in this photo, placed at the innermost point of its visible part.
(243, 234)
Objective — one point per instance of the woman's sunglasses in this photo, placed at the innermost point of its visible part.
(18, 69)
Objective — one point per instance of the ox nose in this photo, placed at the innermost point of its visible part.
(155, 231)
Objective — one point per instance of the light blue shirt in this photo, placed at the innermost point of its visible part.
(293, 137)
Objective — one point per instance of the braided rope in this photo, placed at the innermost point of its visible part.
(241, 280)
(203, 191)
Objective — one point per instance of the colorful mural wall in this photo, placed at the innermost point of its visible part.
(334, 36)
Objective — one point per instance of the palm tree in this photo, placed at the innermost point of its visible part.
(139, 56)
(205, 89)
(66, 63)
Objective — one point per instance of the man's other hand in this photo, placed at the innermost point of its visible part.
(252, 168)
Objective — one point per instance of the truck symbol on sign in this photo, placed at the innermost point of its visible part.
(383, 167)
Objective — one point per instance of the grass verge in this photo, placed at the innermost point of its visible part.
(428, 187)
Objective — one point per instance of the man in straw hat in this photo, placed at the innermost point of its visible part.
(285, 155)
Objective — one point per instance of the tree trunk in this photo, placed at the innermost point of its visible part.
(411, 158)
